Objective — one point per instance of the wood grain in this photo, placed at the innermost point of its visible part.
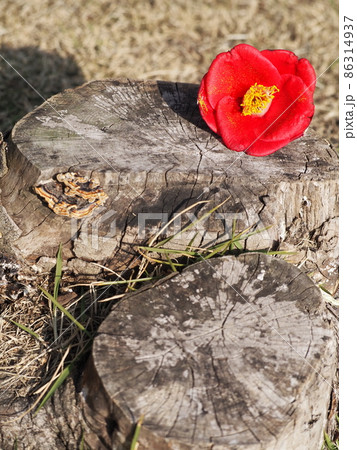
(232, 353)
(152, 153)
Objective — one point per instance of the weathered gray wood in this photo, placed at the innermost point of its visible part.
(152, 153)
(3, 151)
(232, 353)
(58, 425)
(93, 412)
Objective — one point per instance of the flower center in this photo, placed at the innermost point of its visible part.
(257, 99)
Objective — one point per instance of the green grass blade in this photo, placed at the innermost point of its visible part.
(191, 242)
(189, 248)
(58, 272)
(64, 310)
(277, 252)
(232, 241)
(328, 297)
(237, 246)
(171, 264)
(135, 280)
(164, 241)
(192, 224)
(208, 213)
(81, 444)
(62, 377)
(134, 442)
(153, 239)
(169, 251)
(54, 320)
(329, 444)
(166, 263)
(223, 247)
(28, 330)
(234, 224)
(219, 249)
(47, 294)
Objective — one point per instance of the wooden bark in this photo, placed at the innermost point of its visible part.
(232, 353)
(58, 425)
(153, 154)
(256, 346)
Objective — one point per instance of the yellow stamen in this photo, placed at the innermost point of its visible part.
(202, 104)
(257, 99)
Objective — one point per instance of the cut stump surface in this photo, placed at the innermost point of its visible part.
(153, 156)
(232, 353)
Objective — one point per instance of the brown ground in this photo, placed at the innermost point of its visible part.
(56, 44)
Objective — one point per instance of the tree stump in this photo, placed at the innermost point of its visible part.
(153, 156)
(232, 353)
(246, 364)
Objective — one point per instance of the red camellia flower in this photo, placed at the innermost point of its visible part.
(257, 101)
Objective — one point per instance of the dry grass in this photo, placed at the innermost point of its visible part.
(20, 366)
(57, 44)
(30, 359)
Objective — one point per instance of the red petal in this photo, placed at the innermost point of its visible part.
(264, 148)
(205, 108)
(288, 63)
(240, 133)
(291, 110)
(307, 73)
(289, 115)
(233, 73)
(237, 131)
